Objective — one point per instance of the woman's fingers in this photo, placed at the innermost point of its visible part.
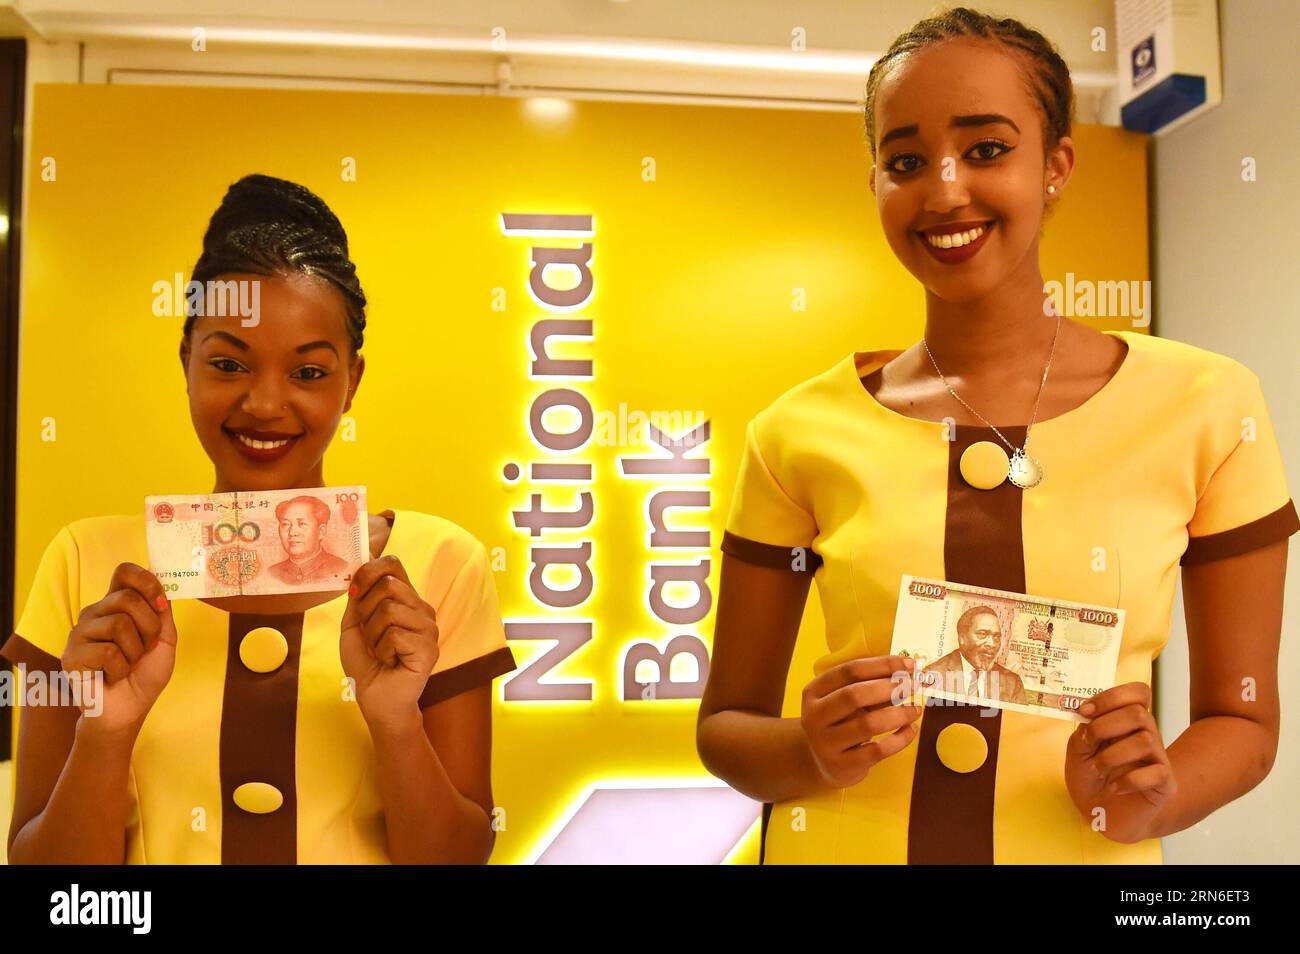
(387, 616)
(379, 573)
(396, 643)
(849, 766)
(125, 636)
(102, 656)
(1118, 723)
(1141, 747)
(385, 599)
(1126, 694)
(116, 630)
(387, 588)
(1078, 744)
(862, 728)
(863, 757)
(845, 703)
(847, 706)
(891, 744)
(856, 670)
(135, 577)
(115, 665)
(128, 616)
(392, 613)
(1146, 778)
(131, 603)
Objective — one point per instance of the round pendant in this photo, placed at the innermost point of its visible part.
(984, 465)
(1025, 471)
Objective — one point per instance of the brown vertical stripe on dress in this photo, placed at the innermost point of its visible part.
(258, 735)
(951, 816)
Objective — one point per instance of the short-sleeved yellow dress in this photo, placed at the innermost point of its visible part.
(1172, 461)
(219, 724)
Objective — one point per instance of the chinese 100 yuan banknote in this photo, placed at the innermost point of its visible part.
(256, 543)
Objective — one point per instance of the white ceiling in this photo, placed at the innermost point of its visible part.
(734, 49)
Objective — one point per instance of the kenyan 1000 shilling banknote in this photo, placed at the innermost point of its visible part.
(1006, 650)
(257, 543)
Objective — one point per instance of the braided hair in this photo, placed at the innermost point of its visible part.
(1048, 76)
(270, 226)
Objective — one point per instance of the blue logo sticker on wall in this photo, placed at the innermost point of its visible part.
(1144, 60)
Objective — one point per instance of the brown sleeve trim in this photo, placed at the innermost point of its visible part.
(452, 682)
(768, 554)
(18, 651)
(1278, 525)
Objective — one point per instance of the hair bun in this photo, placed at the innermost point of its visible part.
(270, 226)
(265, 200)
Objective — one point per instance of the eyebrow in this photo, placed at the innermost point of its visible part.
(316, 344)
(957, 122)
(243, 345)
(228, 337)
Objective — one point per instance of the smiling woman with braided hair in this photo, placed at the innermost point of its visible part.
(1148, 457)
(367, 738)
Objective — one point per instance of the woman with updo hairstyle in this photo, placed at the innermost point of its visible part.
(1009, 449)
(348, 726)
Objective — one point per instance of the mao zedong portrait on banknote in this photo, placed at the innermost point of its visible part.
(303, 522)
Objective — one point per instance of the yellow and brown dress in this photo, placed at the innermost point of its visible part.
(1173, 461)
(228, 718)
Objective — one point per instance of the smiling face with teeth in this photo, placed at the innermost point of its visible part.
(961, 165)
(266, 400)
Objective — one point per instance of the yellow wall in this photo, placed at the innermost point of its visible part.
(695, 274)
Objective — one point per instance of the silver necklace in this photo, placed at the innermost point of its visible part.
(1024, 471)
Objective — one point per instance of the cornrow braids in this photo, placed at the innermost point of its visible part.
(1049, 77)
(270, 226)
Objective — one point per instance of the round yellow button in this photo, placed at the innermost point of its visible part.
(264, 649)
(259, 798)
(984, 465)
(961, 747)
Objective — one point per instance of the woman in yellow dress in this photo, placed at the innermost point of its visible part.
(1009, 449)
(309, 727)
